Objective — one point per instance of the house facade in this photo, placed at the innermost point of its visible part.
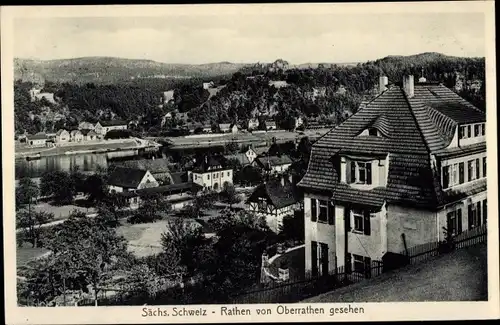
(273, 164)
(211, 175)
(392, 176)
(274, 200)
(37, 140)
(253, 124)
(89, 135)
(122, 179)
(76, 136)
(159, 168)
(85, 126)
(62, 136)
(103, 127)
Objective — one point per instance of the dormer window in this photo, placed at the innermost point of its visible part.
(373, 132)
(361, 172)
(471, 131)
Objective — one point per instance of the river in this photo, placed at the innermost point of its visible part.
(85, 162)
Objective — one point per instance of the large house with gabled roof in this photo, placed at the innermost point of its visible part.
(211, 174)
(410, 162)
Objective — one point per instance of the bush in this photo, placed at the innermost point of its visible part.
(118, 134)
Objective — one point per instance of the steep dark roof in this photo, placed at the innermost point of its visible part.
(241, 157)
(155, 166)
(208, 163)
(179, 177)
(277, 194)
(413, 129)
(126, 177)
(38, 136)
(88, 132)
(268, 162)
(113, 123)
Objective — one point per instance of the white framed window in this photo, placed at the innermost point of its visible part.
(361, 172)
(323, 211)
(358, 219)
(454, 221)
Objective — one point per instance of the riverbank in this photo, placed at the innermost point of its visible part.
(84, 148)
(257, 138)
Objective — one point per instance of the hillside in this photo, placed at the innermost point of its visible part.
(280, 91)
(110, 70)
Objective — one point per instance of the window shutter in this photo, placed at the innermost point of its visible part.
(367, 224)
(347, 219)
(478, 175)
(368, 173)
(446, 177)
(353, 172)
(471, 221)
(368, 267)
(478, 208)
(459, 221)
(314, 210)
(485, 211)
(461, 173)
(314, 258)
(331, 213)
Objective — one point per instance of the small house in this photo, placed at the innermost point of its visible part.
(85, 126)
(37, 140)
(159, 168)
(62, 136)
(103, 127)
(274, 164)
(211, 174)
(274, 200)
(253, 152)
(89, 135)
(123, 179)
(253, 124)
(225, 127)
(76, 136)
(270, 125)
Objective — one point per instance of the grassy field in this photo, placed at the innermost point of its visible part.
(143, 239)
(63, 211)
(459, 276)
(26, 253)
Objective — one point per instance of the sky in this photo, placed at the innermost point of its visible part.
(248, 38)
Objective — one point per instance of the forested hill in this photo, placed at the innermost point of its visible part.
(108, 70)
(328, 93)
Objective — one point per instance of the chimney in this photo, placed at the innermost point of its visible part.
(283, 180)
(382, 84)
(408, 85)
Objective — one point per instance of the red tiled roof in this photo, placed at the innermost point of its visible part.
(412, 128)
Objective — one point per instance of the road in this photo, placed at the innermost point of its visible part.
(53, 223)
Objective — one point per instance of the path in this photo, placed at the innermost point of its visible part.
(458, 276)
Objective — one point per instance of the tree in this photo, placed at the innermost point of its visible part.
(77, 178)
(85, 251)
(229, 195)
(59, 185)
(151, 209)
(180, 240)
(26, 193)
(293, 226)
(94, 186)
(231, 148)
(29, 222)
(249, 175)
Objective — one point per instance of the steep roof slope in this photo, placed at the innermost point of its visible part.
(411, 128)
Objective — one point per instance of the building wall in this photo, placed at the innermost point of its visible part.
(144, 182)
(368, 245)
(210, 179)
(280, 168)
(419, 227)
(117, 189)
(462, 204)
(319, 232)
(37, 142)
